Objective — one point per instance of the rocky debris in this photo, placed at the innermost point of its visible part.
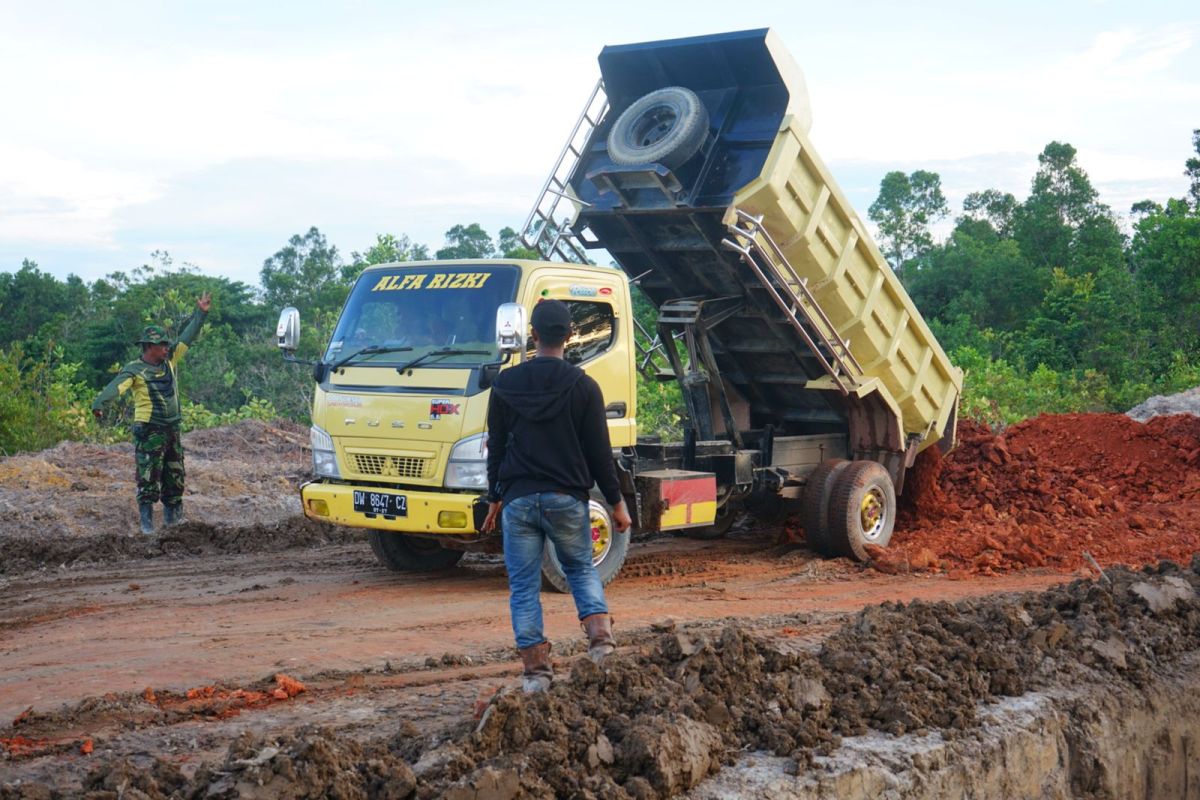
(1186, 402)
(656, 722)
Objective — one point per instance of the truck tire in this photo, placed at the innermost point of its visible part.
(814, 513)
(401, 553)
(608, 552)
(666, 126)
(862, 510)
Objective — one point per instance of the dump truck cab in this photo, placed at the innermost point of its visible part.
(400, 407)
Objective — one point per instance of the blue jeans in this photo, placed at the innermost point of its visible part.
(527, 523)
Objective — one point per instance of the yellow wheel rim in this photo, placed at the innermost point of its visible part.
(871, 513)
(601, 531)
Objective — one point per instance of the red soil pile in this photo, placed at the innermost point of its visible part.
(222, 702)
(1050, 489)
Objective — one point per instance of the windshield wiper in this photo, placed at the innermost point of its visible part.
(369, 350)
(445, 351)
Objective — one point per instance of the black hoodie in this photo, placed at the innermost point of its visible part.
(547, 433)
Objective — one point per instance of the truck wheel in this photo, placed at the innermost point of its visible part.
(814, 513)
(862, 510)
(727, 513)
(609, 549)
(401, 553)
(665, 127)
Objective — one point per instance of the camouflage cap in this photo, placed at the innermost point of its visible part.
(154, 334)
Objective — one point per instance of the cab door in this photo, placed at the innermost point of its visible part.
(601, 342)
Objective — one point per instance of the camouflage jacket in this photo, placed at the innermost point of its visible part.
(155, 392)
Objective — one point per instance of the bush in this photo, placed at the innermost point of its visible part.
(998, 393)
(659, 408)
(43, 403)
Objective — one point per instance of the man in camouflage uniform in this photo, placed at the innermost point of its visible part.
(156, 436)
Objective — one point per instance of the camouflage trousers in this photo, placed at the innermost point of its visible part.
(158, 450)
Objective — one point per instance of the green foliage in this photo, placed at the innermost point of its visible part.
(43, 401)
(996, 209)
(1048, 306)
(1192, 171)
(997, 393)
(467, 241)
(980, 276)
(35, 304)
(387, 249)
(305, 273)
(196, 416)
(904, 211)
(659, 408)
(510, 246)
(1165, 254)
(1062, 224)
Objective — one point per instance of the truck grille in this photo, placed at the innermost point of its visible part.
(392, 466)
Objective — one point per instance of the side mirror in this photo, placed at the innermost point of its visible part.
(511, 327)
(287, 332)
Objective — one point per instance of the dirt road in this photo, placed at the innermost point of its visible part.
(181, 623)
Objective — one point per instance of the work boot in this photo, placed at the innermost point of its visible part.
(146, 510)
(539, 672)
(601, 643)
(172, 514)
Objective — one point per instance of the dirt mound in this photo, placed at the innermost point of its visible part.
(1187, 402)
(655, 723)
(1050, 491)
(75, 502)
(188, 539)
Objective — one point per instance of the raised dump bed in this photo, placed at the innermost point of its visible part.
(810, 330)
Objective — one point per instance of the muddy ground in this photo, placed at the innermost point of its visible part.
(251, 653)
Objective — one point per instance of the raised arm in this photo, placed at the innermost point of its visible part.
(192, 327)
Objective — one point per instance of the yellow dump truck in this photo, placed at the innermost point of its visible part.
(805, 368)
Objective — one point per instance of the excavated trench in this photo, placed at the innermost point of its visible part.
(1100, 742)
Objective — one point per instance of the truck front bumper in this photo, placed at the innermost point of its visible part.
(428, 512)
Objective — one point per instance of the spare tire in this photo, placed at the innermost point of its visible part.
(667, 127)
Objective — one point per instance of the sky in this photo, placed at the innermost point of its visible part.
(215, 131)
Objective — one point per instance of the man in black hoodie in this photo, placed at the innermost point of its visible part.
(547, 445)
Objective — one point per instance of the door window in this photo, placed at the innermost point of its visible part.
(593, 331)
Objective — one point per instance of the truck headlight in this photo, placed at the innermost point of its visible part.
(324, 459)
(467, 468)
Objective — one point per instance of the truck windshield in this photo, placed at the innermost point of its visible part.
(405, 312)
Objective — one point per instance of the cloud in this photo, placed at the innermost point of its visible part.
(1129, 54)
(44, 197)
(217, 135)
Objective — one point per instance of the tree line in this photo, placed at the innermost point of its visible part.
(1046, 303)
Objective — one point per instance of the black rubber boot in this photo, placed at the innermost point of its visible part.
(147, 512)
(172, 514)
